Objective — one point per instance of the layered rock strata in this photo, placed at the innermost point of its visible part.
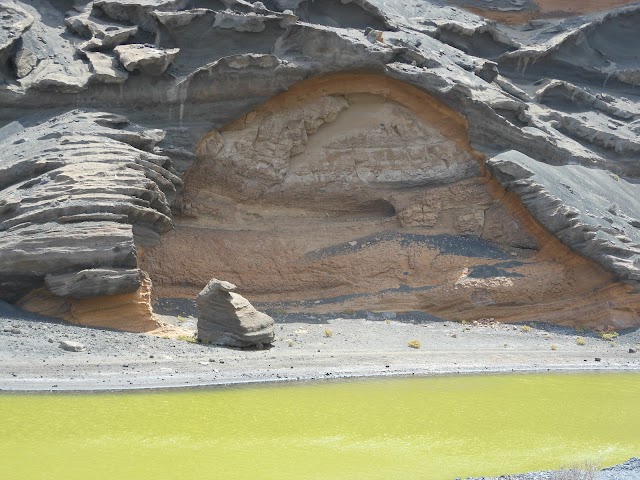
(228, 319)
(355, 192)
(594, 211)
(74, 192)
(316, 185)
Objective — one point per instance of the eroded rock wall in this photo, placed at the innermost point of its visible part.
(355, 192)
(342, 190)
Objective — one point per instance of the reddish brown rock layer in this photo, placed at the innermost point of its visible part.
(547, 9)
(378, 203)
(130, 312)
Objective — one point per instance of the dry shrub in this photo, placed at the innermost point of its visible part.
(587, 470)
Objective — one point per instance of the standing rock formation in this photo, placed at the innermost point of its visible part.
(228, 319)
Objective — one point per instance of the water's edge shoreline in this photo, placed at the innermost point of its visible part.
(94, 387)
(629, 470)
(31, 357)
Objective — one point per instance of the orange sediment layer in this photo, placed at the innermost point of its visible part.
(548, 9)
(130, 312)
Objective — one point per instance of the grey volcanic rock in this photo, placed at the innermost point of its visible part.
(138, 12)
(71, 189)
(145, 58)
(71, 346)
(593, 211)
(94, 282)
(101, 34)
(31, 251)
(226, 318)
(14, 21)
(25, 61)
(105, 68)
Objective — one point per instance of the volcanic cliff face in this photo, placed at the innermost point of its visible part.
(322, 155)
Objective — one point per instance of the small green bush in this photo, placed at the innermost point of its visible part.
(187, 338)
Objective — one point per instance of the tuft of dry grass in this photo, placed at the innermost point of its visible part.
(587, 470)
(525, 329)
(554, 347)
(414, 343)
(581, 341)
(609, 335)
(328, 332)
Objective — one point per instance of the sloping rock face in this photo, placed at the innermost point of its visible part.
(226, 318)
(593, 210)
(364, 190)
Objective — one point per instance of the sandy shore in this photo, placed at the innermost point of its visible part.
(32, 360)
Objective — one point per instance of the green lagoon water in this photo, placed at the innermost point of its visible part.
(402, 428)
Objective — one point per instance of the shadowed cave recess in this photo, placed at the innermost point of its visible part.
(325, 157)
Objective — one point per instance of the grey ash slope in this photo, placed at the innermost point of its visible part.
(561, 92)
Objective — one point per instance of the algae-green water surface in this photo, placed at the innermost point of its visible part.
(427, 428)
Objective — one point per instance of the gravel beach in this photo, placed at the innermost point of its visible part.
(306, 348)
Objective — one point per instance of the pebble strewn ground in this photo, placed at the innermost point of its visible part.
(31, 357)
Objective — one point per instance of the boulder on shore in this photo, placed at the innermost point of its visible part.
(227, 318)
